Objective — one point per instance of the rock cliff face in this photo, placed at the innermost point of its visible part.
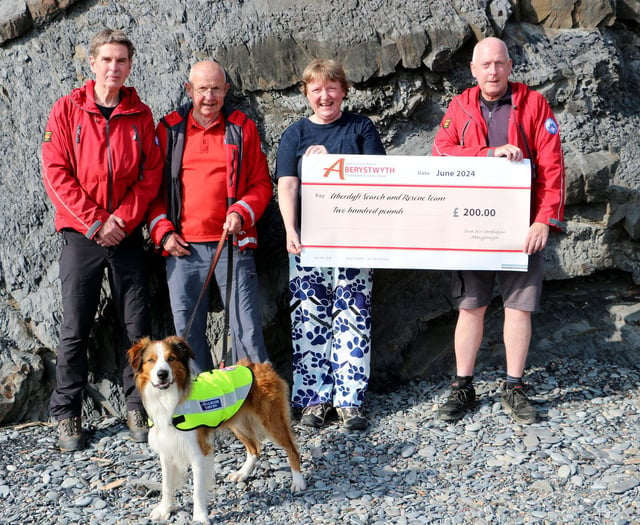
(406, 59)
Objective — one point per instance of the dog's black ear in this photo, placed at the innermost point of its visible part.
(135, 353)
(182, 348)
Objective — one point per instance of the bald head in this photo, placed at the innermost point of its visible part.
(207, 68)
(491, 67)
(207, 88)
(490, 44)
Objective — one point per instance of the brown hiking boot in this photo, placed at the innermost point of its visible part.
(70, 434)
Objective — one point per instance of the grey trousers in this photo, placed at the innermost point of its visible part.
(185, 278)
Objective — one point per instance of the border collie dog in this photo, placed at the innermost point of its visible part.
(250, 399)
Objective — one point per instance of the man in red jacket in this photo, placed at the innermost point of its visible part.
(101, 167)
(216, 178)
(498, 118)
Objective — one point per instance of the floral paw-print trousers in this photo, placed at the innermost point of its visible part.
(331, 334)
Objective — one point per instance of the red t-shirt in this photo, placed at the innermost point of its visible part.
(204, 170)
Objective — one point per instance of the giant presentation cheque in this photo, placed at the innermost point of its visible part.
(450, 213)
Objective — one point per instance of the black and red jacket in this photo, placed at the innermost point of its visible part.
(249, 188)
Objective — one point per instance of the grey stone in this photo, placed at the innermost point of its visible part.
(624, 486)
(14, 19)
(599, 168)
(628, 10)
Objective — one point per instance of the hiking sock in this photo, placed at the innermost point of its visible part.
(462, 381)
(514, 382)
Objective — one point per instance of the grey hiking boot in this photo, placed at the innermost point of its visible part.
(138, 425)
(315, 415)
(459, 401)
(351, 418)
(515, 402)
(70, 434)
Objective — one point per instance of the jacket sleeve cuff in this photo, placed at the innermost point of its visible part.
(158, 230)
(245, 211)
(164, 238)
(95, 228)
(562, 226)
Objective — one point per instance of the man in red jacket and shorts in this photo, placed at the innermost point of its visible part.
(498, 118)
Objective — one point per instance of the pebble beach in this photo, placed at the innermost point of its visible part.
(580, 463)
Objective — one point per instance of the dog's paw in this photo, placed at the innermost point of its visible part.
(238, 475)
(245, 471)
(161, 512)
(297, 484)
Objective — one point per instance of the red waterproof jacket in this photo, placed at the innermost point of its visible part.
(532, 127)
(249, 188)
(94, 167)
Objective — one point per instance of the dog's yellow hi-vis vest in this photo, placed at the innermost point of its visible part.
(216, 395)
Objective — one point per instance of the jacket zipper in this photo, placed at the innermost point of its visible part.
(464, 130)
(136, 138)
(110, 169)
(523, 135)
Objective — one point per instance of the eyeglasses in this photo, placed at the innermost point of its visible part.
(216, 91)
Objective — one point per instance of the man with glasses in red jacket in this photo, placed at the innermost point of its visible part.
(216, 180)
